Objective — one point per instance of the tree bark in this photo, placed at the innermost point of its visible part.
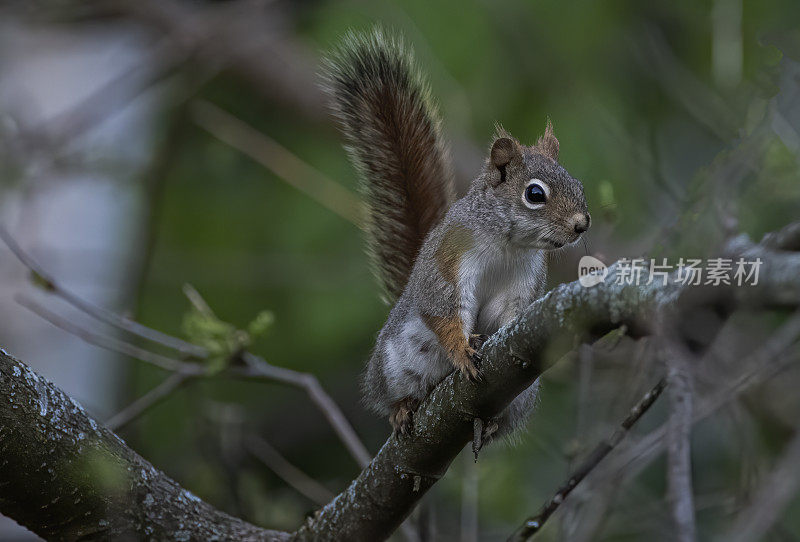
(65, 477)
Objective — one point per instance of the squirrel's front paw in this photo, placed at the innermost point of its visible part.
(402, 416)
(469, 363)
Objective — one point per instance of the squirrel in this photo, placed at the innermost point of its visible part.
(457, 270)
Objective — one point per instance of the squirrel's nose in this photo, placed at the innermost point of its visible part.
(581, 222)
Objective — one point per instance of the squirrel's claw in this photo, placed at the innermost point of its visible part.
(476, 340)
(470, 367)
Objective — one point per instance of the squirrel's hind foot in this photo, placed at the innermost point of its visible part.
(402, 416)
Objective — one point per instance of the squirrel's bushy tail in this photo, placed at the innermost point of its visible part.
(392, 133)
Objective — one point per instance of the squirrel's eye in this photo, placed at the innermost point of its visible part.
(535, 194)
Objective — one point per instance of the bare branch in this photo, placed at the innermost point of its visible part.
(533, 524)
(279, 67)
(319, 397)
(197, 300)
(299, 480)
(146, 401)
(771, 499)
(278, 159)
(110, 318)
(764, 363)
(679, 83)
(157, 63)
(680, 494)
(786, 238)
(109, 343)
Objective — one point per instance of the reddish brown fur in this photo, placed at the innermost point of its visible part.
(456, 242)
(450, 332)
(413, 138)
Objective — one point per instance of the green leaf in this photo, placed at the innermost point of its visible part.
(260, 324)
(221, 339)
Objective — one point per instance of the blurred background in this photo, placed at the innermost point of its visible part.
(146, 145)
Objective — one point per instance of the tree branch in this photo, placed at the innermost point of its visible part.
(110, 343)
(146, 401)
(680, 494)
(65, 477)
(279, 160)
(765, 362)
(299, 480)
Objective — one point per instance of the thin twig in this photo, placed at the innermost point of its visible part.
(147, 401)
(155, 65)
(197, 300)
(533, 524)
(319, 397)
(299, 480)
(761, 365)
(597, 499)
(258, 369)
(771, 499)
(109, 343)
(278, 159)
(680, 494)
(469, 499)
(103, 315)
(585, 361)
(679, 83)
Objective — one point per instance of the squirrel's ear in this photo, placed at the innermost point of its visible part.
(502, 152)
(548, 144)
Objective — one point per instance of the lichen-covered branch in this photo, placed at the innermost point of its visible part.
(65, 477)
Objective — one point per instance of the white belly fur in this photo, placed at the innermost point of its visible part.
(508, 282)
